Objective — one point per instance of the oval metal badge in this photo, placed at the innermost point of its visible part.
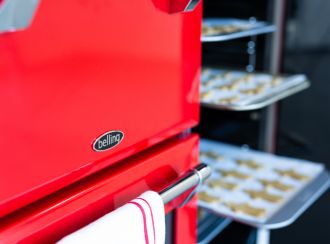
(108, 140)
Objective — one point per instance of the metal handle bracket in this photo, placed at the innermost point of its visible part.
(16, 14)
(177, 6)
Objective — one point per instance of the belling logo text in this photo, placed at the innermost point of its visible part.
(108, 140)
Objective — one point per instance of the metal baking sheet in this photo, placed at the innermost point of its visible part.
(289, 85)
(278, 215)
(244, 28)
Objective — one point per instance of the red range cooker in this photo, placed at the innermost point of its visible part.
(96, 97)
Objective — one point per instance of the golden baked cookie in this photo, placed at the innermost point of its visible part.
(248, 78)
(246, 209)
(248, 163)
(212, 154)
(276, 81)
(228, 100)
(235, 174)
(254, 91)
(222, 184)
(228, 87)
(205, 197)
(247, 91)
(230, 28)
(259, 89)
(209, 30)
(207, 94)
(276, 184)
(264, 195)
(292, 174)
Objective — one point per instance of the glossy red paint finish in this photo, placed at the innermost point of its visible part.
(84, 68)
(185, 223)
(60, 214)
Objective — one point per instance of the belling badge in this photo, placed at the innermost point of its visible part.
(108, 140)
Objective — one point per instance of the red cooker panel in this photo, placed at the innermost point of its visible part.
(64, 212)
(84, 68)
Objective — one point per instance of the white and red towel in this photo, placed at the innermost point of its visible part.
(141, 220)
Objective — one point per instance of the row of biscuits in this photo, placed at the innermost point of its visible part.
(220, 183)
(249, 186)
(229, 87)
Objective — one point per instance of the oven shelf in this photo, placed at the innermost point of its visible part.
(229, 29)
(294, 202)
(210, 226)
(218, 94)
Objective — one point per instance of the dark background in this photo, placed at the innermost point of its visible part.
(304, 119)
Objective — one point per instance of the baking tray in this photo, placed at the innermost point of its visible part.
(234, 28)
(289, 85)
(278, 215)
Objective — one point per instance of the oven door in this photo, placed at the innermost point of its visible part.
(86, 84)
(61, 213)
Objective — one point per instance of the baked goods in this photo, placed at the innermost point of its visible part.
(276, 81)
(211, 154)
(228, 99)
(248, 163)
(276, 184)
(251, 186)
(246, 209)
(204, 196)
(292, 174)
(234, 173)
(207, 94)
(240, 87)
(208, 30)
(264, 195)
(253, 91)
(218, 183)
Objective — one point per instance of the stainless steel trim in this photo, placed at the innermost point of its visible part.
(274, 97)
(269, 123)
(277, 38)
(186, 182)
(16, 14)
(252, 32)
(191, 5)
(263, 236)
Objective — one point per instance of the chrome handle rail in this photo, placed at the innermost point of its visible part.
(191, 179)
